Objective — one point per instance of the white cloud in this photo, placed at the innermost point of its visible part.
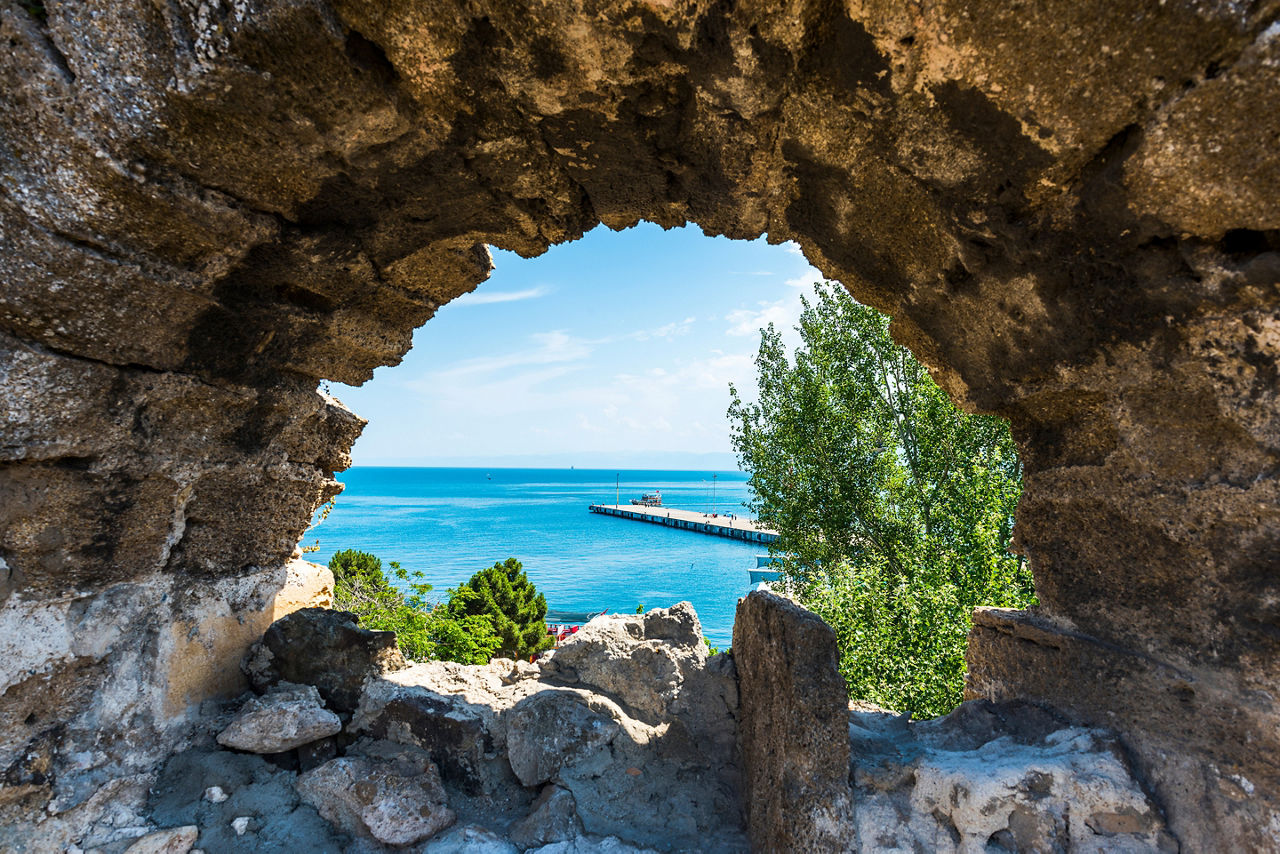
(669, 330)
(551, 348)
(490, 297)
(782, 314)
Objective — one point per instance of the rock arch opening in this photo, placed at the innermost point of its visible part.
(1071, 214)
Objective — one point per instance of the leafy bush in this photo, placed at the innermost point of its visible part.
(504, 595)
(423, 632)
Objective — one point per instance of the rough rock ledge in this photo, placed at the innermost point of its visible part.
(627, 740)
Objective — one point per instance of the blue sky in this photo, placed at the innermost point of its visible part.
(616, 350)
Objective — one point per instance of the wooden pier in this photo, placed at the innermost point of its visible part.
(718, 525)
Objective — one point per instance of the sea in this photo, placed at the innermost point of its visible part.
(449, 523)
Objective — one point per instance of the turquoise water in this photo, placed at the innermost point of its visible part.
(450, 522)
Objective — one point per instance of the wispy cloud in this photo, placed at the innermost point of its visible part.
(556, 347)
(747, 321)
(669, 330)
(490, 297)
(806, 281)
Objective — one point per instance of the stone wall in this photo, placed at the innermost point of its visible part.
(1072, 212)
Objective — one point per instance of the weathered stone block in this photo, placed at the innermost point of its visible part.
(316, 646)
(288, 716)
(393, 796)
(793, 727)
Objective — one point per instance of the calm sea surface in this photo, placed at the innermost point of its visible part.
(450, 522)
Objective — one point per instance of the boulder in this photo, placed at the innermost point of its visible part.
(553, 818)
(656, 767)
(551, 729)
(1009, 777)
(792, 725)
(641, 660)
(470, 839)
(327, 649)
(307, 585)
(452, 711)
(288, 716)
(388, 793)
(174, 840)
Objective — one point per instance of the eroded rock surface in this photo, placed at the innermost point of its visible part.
(288, 716)
(393, 797)
(1008, 778)
(626, 755)
(793, 726)
(326, 649)
(552, 818)
(1070, 210)
(826, 775)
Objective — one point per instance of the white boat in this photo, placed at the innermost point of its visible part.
(649, 499)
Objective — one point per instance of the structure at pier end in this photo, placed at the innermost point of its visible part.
(1071, 211)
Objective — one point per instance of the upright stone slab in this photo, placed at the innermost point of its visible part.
(793, 727)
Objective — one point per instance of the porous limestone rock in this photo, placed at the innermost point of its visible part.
(643, 776)
(288, 716)
(842, 776)
(451, 710)
(470, 839)
(391, 796)
(642, 662)
(324, 648)
(552, 818)
(552, 729)
(306, 585)
(1010, 778)
(175, 840)
(792, 727)
(1069, 209)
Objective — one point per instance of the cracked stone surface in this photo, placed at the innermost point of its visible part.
(207, 208)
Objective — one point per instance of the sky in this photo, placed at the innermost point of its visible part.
(616, 350)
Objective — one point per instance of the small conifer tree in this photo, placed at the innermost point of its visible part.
(504, 594)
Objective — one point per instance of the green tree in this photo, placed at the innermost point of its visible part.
(894, 510)
(423, 631)
(504, 595)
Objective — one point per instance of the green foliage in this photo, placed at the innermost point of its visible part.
(894, 510)
(517, 611)
(423, 632)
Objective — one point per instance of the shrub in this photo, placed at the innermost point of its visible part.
(504, 596)
(423, 631)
